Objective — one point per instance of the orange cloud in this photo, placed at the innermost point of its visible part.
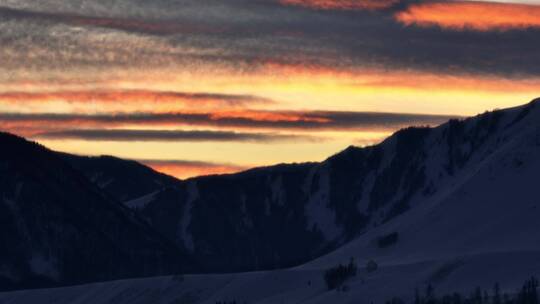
(481, 16)
(267, 116)
(342, 4)
(116, 100)
(187, 169)
(293, 87)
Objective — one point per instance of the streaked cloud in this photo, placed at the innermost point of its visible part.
(167, 135)
(275, 120)
(124, 99)
(463, 15)
(252, 34)
(342, 4)
(157, 27)
(267, 80)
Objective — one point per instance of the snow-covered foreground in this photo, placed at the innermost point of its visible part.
(482, 228)
(459, 273)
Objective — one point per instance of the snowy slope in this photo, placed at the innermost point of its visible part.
(285, 215)
(478, 224)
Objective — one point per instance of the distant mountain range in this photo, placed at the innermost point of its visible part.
(68, 219)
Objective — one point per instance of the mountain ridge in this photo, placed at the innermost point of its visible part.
(476, 226)
(60, 229)
(122, 179)
(324, 204)
(271, 217)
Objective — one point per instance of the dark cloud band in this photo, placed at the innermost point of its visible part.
(156, 27)
(342, 39)
(165, 135)
(287, 120)
(133, 96)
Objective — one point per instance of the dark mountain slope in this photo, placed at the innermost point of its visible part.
(123, 179)
(452, 207)
(264, 218)
(284, 215)
(57, 228)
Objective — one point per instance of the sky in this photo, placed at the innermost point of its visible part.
(196, 87)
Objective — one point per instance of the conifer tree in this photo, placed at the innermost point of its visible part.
(417, 299)
(497, 294)
(430, 295)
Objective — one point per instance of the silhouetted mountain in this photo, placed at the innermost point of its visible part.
(265, 218)
(440, 210)
(285, 215)
(124, 180)
(57, 228)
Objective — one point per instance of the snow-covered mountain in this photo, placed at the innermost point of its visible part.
(455, 206)
(461, 201)
(282, 216)
(57, 228)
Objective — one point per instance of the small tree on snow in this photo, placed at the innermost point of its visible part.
(371, 266)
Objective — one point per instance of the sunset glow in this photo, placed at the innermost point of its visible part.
(188, 93)
(189, 169)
